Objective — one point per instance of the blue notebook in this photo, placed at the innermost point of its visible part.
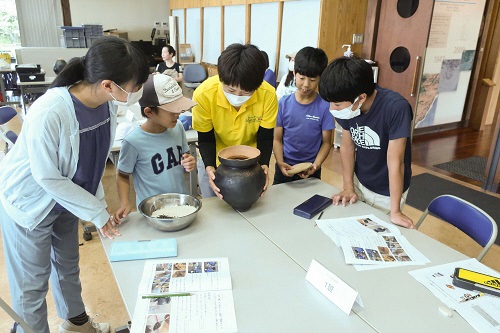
(149, 249)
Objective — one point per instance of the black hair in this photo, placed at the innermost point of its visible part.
(266, 58)
(242, 65)
(153, 108)
(289, 78)
(59, 66)
(310, 61)
(345, 78)
(171, 50)
(109, 58)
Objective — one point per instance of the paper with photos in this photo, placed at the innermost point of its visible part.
(394, 250)
(353, 226)
(208, 308)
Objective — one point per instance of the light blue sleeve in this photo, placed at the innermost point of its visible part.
(128, 158)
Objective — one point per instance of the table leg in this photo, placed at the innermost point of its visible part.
(23, 102)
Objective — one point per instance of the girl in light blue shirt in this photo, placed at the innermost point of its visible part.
(52, 178)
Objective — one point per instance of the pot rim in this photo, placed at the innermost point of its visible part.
(252, 154)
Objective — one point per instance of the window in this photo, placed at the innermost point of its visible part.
(9, 27)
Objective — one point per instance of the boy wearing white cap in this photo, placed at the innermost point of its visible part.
(156, 154)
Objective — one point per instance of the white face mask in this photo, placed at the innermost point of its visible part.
(132, 97)
(348, 112)
(291, 66)
(236, 100)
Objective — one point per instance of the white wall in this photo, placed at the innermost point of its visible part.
(295, 36)
(193, 22)
(265, 36)
(212, 30)
(135, 17)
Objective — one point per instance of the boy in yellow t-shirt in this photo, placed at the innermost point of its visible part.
(236, 107)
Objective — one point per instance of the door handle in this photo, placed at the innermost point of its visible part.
(416, 75)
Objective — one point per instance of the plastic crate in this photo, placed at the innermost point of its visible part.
(93, 30)
(75, 42)
(72, 31)
(90, 40)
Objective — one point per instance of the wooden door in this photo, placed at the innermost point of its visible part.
(402, 36)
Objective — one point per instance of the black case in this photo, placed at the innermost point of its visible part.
(28, 68)
(312, 206)
(33, 77)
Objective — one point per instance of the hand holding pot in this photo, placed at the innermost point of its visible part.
(211, 178)
(266, 172)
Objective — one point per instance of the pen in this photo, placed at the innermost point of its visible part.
(166, 295)
(319, 217)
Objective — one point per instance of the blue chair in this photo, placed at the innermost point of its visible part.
(467, 217)
(7, 113)
(194, 75)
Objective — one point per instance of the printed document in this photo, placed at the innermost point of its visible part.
(201, 297)
(365, 225)
(371, 243)
(394, 250)
(481, 311)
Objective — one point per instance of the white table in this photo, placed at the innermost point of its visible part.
(270, 291)
(394, 301)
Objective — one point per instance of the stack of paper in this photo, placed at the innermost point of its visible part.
(481, 311)
(185, 295)
(370, 243)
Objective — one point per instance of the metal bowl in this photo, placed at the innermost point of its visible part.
(149, 205)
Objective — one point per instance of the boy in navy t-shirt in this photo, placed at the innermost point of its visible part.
(303, 131)
(376, 137)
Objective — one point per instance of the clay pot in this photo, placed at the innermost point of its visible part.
(240, 177)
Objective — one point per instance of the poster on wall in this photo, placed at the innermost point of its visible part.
(448, 61)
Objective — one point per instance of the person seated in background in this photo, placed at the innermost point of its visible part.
(303, 131)
(156, 154)
(376, 145)
(59, 65)
(235, 107)
(168, 66)
(269, 75)
(287, 83)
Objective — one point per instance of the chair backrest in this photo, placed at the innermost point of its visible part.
(194, 73)
(467, 217)
(7, 113)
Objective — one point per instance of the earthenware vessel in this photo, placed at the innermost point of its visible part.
(240, 177)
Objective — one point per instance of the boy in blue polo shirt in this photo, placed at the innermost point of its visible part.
(304, 125)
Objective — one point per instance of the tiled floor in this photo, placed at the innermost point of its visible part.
(101, 294)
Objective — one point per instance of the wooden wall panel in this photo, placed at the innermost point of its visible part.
(248, 20)
(371, 27)
(339, 20)
(176, 4)
(484, 68)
